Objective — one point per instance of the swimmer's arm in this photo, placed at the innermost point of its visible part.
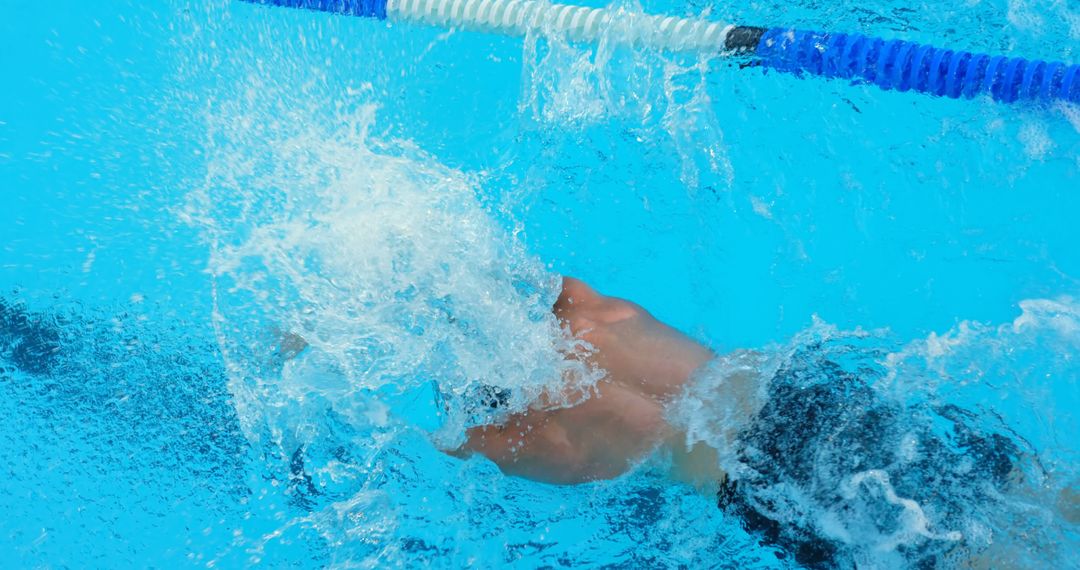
(553, 450)
(734, 392)
(596, 440)
(617, 427)
(697, 465)
(601, 438)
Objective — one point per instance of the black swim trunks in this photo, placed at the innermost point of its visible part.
(836, 475)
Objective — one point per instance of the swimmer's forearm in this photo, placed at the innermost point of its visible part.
(697, 465)
(732, 382)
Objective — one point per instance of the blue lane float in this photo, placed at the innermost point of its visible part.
(906, 66)
(890, 64)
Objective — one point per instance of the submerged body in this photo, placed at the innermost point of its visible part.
(646, 364)
(810, 457)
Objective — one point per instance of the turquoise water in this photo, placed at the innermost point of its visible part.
(188, 184)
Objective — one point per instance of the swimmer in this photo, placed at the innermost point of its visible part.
(818, 442)
(647, 363)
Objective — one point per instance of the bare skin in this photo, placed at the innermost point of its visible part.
(647, 364)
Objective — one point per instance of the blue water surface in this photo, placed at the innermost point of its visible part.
(161, 162)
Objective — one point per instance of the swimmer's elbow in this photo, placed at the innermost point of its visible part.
(462, 452)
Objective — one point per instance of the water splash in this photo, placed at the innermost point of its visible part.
(365, 299)
(379, 262)
(952, 449)
(658, 96)
(1023, 370)
(1044, 18)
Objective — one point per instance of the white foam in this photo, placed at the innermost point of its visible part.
(1060, 315)
(383, 260)
(1037, 142)
(719, 401)
(913, 522)
(572, 87)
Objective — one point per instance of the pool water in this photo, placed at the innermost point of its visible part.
(191, 188)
